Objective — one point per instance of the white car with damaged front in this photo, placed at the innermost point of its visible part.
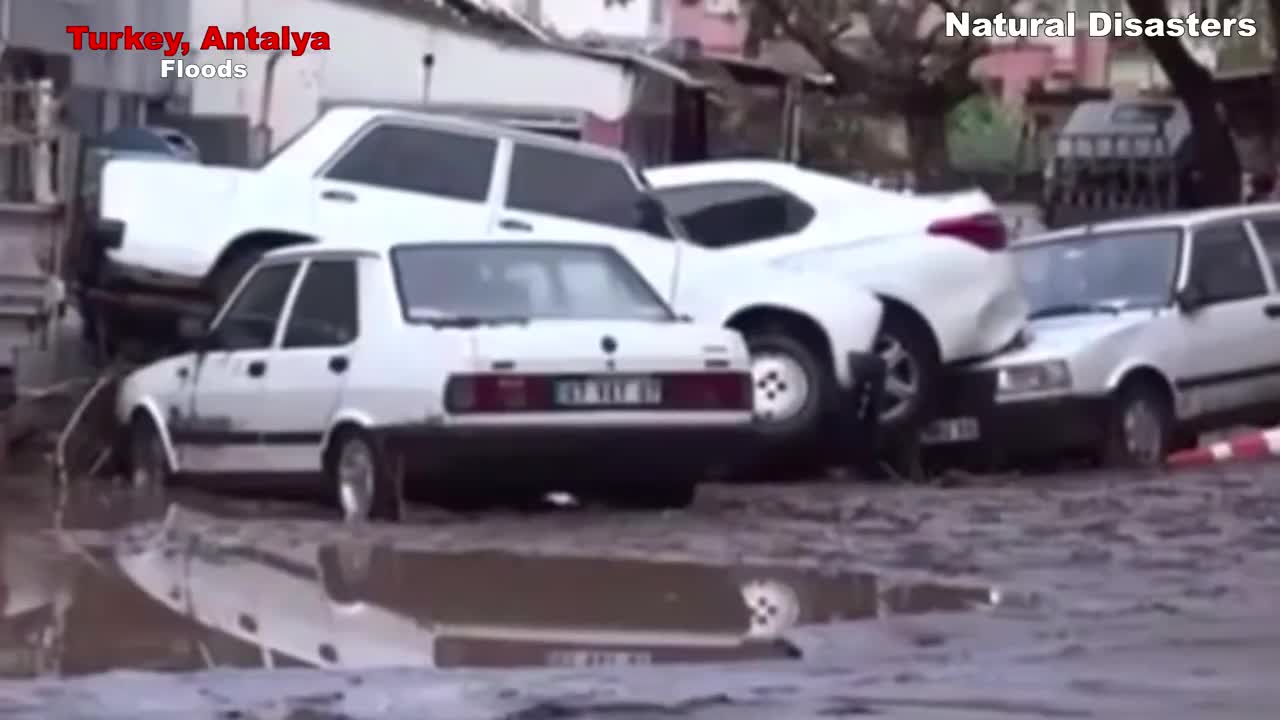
(192, 230)
(939, 263)
(1144, 334)
(441, 361)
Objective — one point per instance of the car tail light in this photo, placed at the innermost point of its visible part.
(497, 394)
(707, 391)
(985, 230)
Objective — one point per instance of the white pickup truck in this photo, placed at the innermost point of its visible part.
(196, 229)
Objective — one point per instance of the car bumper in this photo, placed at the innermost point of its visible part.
(451, 448)
(1023, 428)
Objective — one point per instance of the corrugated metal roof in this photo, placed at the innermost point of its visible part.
(475, 14)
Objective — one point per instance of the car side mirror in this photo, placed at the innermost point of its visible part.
(1189, 299)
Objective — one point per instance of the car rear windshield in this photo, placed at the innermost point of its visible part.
(483, 281)
(1132, 268)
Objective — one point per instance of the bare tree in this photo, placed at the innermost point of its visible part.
(1217, 160)
(900, 62)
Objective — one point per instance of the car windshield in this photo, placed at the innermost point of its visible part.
(1105, 272)
(514, 282)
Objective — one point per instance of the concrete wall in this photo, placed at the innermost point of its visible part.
(378, 57)
(41, 25)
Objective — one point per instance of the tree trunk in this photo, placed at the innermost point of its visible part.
(1273, 15)
(1217, 163)
(927, 148)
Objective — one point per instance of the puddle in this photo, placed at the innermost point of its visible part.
(194, 593)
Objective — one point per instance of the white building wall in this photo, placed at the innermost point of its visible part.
(634, 19)
(373, 56)
(379, 57)
(473, 69)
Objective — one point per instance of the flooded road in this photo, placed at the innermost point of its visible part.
(1063, 597)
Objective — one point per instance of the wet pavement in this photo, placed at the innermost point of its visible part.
(1097, 596)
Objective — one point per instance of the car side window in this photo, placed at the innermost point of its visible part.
(420, 160)
(249, 323)
(1224, 266)
(1268, 230)
(582, 187)
(720, 215)
(326, 311)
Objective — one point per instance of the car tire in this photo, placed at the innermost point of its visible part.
(365, 479)
(790, 384)
(1139, 428)
(147, 460)
(226, 276)
(912, 366)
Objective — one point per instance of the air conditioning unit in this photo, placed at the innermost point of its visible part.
(722, 7)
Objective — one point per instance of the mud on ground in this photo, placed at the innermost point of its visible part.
(1103, 596)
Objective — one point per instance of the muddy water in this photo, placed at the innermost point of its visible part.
(195, 592)
(1127, 597)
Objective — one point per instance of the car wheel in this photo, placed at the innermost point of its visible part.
(148, 466)
(773, 607)
(225, 277)
(911, 370)
(789, 383)
(1139, 428)
(366, 480)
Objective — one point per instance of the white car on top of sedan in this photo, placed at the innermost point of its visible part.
(426, 360)
(191, 229)
(950, 289)
(1144, 334)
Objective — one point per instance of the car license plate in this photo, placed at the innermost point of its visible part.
(609, 392)
(597, 658)
(950, 430)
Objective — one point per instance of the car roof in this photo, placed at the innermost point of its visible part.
(357, 116)
(331, 248)
(727, 169)
(1186, 219)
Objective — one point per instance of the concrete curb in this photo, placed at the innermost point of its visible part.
(1251, 446)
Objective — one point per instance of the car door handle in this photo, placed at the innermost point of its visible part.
(338, 364)
(517, 225)
(257, 368)
(1272, 311)
(338, 196)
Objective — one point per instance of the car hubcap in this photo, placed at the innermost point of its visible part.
(149, 463)
(781, 386)
(772, 608)
(901, 379)
(1142, 434)
(355, 480)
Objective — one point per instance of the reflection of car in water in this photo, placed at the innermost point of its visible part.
(387, 607)
(198, 593)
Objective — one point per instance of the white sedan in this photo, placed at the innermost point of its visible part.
(430, 359)
(1144, 334)
(951, 291)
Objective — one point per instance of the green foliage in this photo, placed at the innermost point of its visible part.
(983, 135)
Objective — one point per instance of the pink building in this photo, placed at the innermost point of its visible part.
(720, 26)
(1054, 63)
